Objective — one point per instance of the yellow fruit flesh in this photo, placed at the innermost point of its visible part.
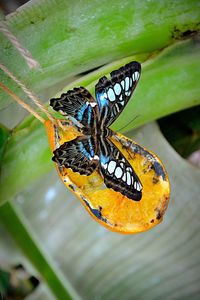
(110, 208)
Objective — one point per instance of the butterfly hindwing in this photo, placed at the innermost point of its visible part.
(77, 103)
(80, 155)
(114, 93)
(118, 174)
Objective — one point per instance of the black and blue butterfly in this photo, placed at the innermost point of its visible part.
(94, 150)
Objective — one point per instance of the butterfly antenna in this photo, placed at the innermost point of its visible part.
(33, 97)
(128, 123)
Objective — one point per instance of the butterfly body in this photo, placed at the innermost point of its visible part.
(94, 149)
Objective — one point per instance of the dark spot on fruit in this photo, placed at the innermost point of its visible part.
(158, 215)
(157, 167)
(71, 187)
(155, 180)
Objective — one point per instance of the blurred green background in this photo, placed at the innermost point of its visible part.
(61, 251)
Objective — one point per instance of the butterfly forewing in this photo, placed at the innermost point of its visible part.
(114, 93)
(118, 174)
(80, 155)
(77, 103)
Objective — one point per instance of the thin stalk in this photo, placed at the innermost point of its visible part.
(21, 102)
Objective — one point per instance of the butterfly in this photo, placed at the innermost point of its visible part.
(94, 150)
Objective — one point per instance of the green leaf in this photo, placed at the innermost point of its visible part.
(162, 263)
(169, 83)
(70, 37)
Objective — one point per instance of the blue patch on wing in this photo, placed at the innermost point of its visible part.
(81, 112)
(104, 159)
(101, 100)
(84, 115)
(89, 153)
(76, 103)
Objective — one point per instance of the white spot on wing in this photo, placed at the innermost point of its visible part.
(117, 88)
(131, 82)
(118, 172)
(105, 166)
(128, 178)
(117, 108)
(93, 104)
(126, 93)
(103, 96)
(132, 180)
(138, 187)
(122, 165)
(126, 83)
(137, 75)
(111, 166)
(122, 84)
(111, 95)
(120, 98)
(124, 177)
